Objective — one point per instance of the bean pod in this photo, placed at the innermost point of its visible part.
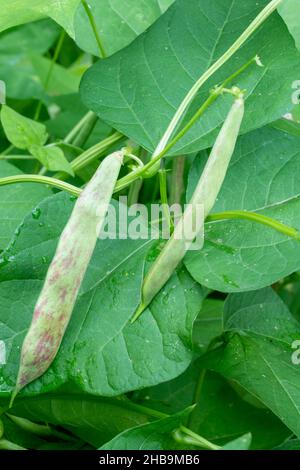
(205, 196)
(65, 274)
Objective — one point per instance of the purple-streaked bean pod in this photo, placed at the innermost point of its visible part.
(204, 197)
(55, 304)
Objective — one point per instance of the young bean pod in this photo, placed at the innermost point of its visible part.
(65, 274)
(205, 196)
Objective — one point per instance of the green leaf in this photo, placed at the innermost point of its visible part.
(95, 420)
(118, 23)
(257, 352)
(242, 443)
(52, 158)
(172, 396)
(167, 60)
(20, 12)
(157, 435)
(16, 435)
(285, 125)
(221, 415)
(37, 37)
(15, 202)
(289, 10)
(102, 353)
(263, 177)
(292, 444)
(208, 324)
(31, 77)
(21, 131)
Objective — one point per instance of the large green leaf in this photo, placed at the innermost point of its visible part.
(102, 353)
(263, 177)
(167, 60)
(21, 11)
(94, 420)
(15, 202)
(289, 10)
(118, 23)
(257, 352)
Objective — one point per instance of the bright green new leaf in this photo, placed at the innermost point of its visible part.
(21, 131)
(22, 11)
(52, 158)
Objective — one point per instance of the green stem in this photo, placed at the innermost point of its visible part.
(86, 130)
(164, 196)
(134, 191)
(177, 180)
(91, 18)
(187, 437)
(90, 155)
(50, 71)
(37, 429)
(16, 157)
(41, 180)
(8, 150)
(256, 23)
(151, 168)
(259, 218)
(86, 120)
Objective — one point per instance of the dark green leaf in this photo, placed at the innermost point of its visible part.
(263, 177)
(257, 353)
(167, 60)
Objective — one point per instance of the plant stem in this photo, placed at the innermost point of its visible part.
(86, 130)
(151, 168)
(8, 150)
(256, 23)
(164, 197)
(259, 218)
(91, 154)
(134, 191)
(177, 180)
(55, 183)
(16, 157)
(91, 18)
(185, 436)
(50, 71)
(37, 429)
(87, 118)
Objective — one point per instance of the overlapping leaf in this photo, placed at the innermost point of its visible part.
(139, 89)
(263, 177)
(118, 23)
(102, 353)
(257, 353)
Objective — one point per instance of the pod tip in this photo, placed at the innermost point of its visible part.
(13, 397)
(138, 312)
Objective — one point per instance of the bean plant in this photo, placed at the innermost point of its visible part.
(149, 225)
